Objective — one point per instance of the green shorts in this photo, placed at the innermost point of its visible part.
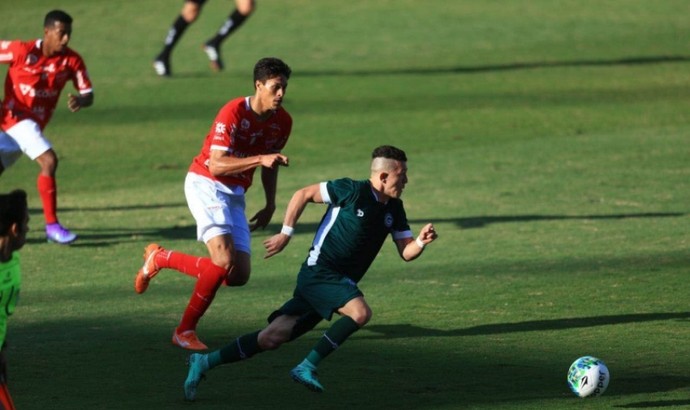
(320, 290)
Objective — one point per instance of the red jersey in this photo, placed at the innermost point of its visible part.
(34, 81)
(237, 131)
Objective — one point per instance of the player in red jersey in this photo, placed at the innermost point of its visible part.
(248, 133)
(188, 15)
(38, 72)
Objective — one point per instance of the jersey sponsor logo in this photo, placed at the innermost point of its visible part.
(47, 93)
(26, 89)
(388, 220)
(220, 128)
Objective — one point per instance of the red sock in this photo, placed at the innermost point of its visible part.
(187, 264)
(205, 289)
(6, 402)
(47, 189)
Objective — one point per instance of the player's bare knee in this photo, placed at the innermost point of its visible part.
(190, 11)
(223, 260)
(48, 162)
(246, 7)
(362, 320)
(361, 316)
(271, 340)
(237, 276)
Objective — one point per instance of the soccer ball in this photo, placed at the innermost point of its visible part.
(588, 376)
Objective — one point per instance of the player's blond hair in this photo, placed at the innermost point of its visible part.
(380, 164)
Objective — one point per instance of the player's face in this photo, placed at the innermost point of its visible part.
(271, 92)
(56, 38)
(396, 180)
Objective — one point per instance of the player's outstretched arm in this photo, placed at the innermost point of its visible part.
(299, 201)
(222, 163)
(410, 249)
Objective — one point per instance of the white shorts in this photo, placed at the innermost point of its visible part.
(218, 210)
(25, 136)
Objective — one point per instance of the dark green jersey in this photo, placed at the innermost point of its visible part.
(354, 227)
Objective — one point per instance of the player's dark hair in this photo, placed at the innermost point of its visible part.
(270, 67)
(389, 152)
(56, 16)
(13, 207)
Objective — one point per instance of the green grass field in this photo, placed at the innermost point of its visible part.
(548, 141)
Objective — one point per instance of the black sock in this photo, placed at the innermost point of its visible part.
(174, 34)
(233, 22)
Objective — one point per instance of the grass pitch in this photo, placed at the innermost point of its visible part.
(548, 142)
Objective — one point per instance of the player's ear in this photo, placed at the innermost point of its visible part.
(383, 176)
(16, 229)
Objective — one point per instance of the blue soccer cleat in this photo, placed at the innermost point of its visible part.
(197, 366)
(305, 374)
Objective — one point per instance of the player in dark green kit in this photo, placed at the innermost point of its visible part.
(360, 215)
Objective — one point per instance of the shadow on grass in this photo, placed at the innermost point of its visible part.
(115, 346)
(135, 207)
(407, 330)
(627, 381)
(482, 221)
(638, 60)
(141, 369)
(105, 237)
(653, 404)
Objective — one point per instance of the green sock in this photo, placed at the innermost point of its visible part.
(332, 339)
(242, 348)
(314, 358)
(213, 359)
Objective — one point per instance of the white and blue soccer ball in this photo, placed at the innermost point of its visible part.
(588, 377)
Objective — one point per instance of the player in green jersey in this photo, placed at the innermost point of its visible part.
(14, 224)
(360, 215)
